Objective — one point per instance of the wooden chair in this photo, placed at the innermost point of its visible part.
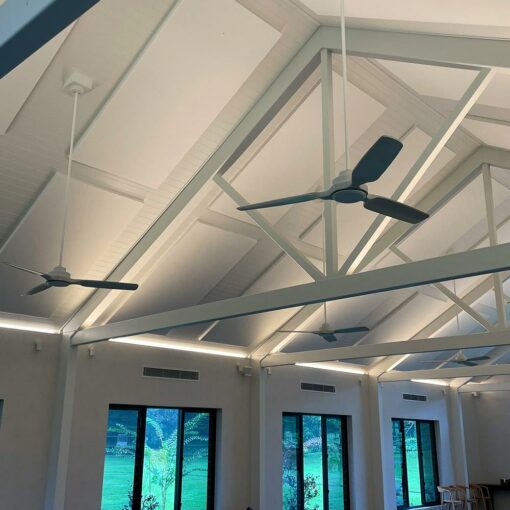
(484, 496)
(465, 495)
(477, 493)
(449, 499)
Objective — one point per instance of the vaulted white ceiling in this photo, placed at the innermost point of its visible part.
(171, 81)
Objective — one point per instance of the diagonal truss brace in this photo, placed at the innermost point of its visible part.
(356, 259)
(271, 231)
(451, 295)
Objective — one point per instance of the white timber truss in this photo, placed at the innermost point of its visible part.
(483, 55)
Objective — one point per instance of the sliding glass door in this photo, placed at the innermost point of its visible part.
(415, 462)
(159, 459)
(314, 474)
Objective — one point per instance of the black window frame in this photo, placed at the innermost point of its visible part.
(300, 459)
(405, 487)
(140, 447)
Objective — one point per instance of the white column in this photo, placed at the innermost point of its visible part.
(258, 438)
(372, 419)
(61, 430)
(457, 441)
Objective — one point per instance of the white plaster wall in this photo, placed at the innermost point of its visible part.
(487, 425)
(27, 386)
(436, 408)
(283, 394)
(114, 375)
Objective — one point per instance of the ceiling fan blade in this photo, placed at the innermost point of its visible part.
(358, 329)
(25, 269)
(38, 288)
(467, 363)
(296, 199)
(395, 209)
(479, 358)
(100, 284)
(376, 160)
(329, 337)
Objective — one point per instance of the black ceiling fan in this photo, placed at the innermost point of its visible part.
(461, 359)
(350, 187)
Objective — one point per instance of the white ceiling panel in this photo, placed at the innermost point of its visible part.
(188, 271)
(96, 219)
(436, 81)
(489, 133)
(291, 162)
(203, 54)
(353, 219)
(16, 86)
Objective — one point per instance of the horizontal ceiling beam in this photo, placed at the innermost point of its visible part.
(422, 345)
(472, 387)
(26, 26)
(432, 49)
(449, 267)
(445, 373)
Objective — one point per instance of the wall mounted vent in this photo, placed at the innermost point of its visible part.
(324, 388)
(171, 373)
(416, 398)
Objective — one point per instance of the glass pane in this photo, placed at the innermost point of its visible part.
(290, 477)
(398, 461)
(335, 463)
(429, 462)
(413, 463)
(119, 460)
(195, 464)
(312, 462)
(160, 459)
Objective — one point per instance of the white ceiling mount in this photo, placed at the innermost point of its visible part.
(77, 82)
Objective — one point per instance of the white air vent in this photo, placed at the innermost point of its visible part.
(324, 388)
(416, 398)
(171, 373)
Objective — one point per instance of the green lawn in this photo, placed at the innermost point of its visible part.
(118, 481)
(313, 466)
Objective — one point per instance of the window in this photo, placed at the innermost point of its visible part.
(415, 459)
(159, 459)
(314, 462)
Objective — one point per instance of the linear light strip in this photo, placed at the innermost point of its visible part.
(340, 368)
(433, 382)
(179, 346)
(28, 326)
